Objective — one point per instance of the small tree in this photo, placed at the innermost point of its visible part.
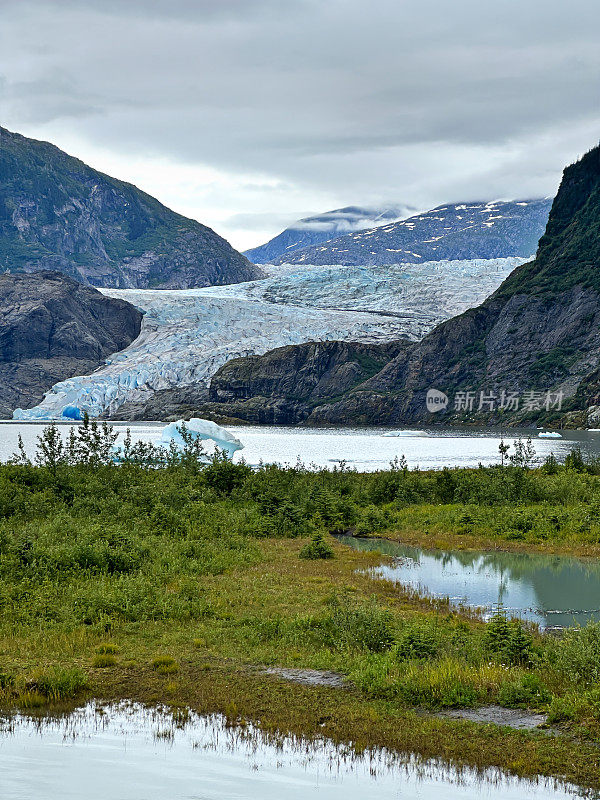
(316, 548)
(51, 451)
(20, 458)
(503, 448)
(524, 455)
(91, 444)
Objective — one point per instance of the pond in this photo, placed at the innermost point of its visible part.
(553, 591)
(127, 752)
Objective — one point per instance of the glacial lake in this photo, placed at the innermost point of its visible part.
(364, 449)
(553, 591)
(127, 752)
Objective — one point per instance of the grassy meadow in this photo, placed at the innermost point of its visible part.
(167, 579)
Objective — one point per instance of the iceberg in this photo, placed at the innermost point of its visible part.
(549, 435)
(204, 430)
(188, 334)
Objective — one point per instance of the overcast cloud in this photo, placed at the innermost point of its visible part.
(247, 114)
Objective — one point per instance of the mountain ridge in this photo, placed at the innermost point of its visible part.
(324, 227)
(58, 213)
(486, 229)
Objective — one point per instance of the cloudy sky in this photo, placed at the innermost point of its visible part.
(247, 114)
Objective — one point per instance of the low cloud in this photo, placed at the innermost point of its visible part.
(309, 105)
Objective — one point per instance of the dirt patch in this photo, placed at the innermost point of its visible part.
(309, 677)
(512, 718)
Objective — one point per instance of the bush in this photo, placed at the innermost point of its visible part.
(416, 643)
(527, 692)
(581, 707)
(316, 548)
(365, 627)
(507, 641)
(223, 475)
(577, 653)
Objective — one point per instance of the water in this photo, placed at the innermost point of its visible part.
(364, 449)
(553, 591)
(133, 753)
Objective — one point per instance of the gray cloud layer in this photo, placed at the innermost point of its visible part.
(416, 102)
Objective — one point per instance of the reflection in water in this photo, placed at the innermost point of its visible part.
(554, 591)
(126, 751)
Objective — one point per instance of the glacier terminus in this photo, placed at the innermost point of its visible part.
(188, 334)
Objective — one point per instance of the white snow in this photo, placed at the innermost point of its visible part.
(187, 335)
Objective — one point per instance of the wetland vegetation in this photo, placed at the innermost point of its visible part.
(168, 579)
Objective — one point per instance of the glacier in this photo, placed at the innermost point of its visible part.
(188, 334)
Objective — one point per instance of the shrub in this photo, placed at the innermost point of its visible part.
(508, 641)
(362, 627)
(577, 653)
(223, 475)
(316, 548)
(526, 692)
(582, 707)
(416, 643)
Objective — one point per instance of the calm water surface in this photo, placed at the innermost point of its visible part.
(132, 753)
(554, 591)
(365, 449)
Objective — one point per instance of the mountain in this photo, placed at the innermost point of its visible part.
(538, 333)
(57, 213)
(450, 232)
(321, 228)
(51, 327)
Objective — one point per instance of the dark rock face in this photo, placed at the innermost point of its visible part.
(57, 213)
(168, 405)
(457, 231)
(540, 331)
(286, 384)
(53, 327)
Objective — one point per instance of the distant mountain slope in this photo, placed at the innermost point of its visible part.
(323, 227)
(58, 213)
(537, 337)
(52, 327)
(458, 231)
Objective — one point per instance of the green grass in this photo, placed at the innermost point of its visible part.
(179, 583)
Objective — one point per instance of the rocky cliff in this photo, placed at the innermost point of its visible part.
(536, 338)
(52, 327)
(57, 213)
